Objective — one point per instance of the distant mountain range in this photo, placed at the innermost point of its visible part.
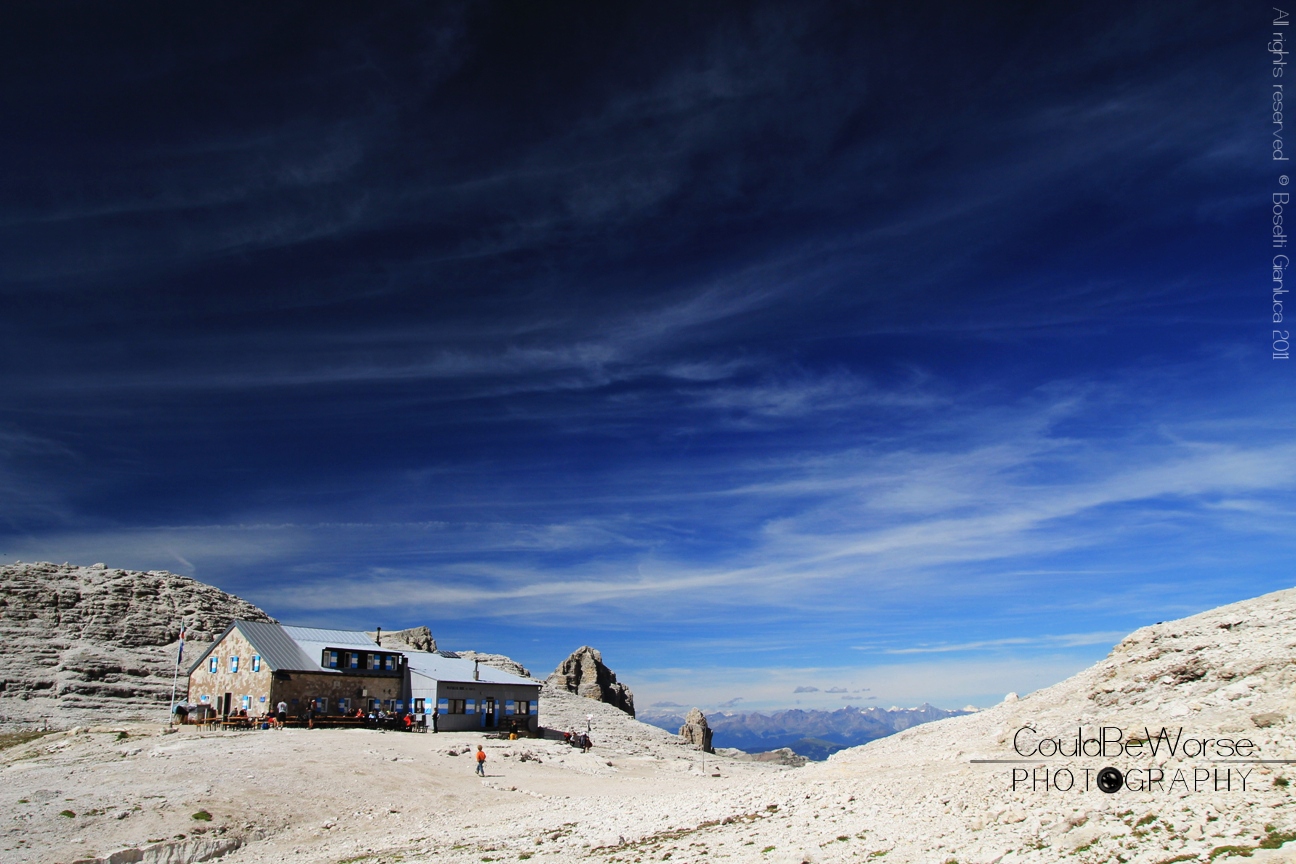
(813, 734)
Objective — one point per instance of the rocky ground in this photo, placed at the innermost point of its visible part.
(641, 795)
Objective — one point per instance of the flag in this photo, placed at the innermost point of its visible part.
(180, 656)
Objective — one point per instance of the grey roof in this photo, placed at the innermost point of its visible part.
(313, 641)
(298, 649)
(279, 650)
(442, 668)
(332, 638)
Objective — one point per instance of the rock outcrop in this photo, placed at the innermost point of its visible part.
(499, 661)
(416, 638)
(696, 732)
(781, 756)
(83, 643)
(584, 674)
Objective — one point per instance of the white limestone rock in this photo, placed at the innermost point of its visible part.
(584, 674)
(86, 643)
(695, 731)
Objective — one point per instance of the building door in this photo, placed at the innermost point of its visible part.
(226, 704)
(488, 708)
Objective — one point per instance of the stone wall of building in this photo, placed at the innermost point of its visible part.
(248, 681)
(298, 689)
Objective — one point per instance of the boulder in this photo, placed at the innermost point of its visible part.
(695, 731)
(584, 674)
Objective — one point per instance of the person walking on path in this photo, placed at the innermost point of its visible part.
(481, 761)
(281, 717)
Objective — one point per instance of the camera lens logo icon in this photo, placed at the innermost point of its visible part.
(1110, 780)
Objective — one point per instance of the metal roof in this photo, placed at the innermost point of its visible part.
(278, 648)
(332, 638)
(442, 668)
(299, 649)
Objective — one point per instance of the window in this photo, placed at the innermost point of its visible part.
(330, 659)
(521, 706)
(247, 702)
(213, 665)
(233, 664)
(389, 662)
(344, 706)
(256, 662)
(456, 706)
(418, 706)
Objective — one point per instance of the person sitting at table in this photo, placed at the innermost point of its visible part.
(409, 722)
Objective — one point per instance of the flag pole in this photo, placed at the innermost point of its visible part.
(175, 678)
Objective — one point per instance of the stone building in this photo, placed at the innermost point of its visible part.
(254, 665)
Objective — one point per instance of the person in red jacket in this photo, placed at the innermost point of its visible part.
(481, 761)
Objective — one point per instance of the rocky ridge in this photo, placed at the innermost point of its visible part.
(585, 674)
(499, 661)
(1223, 674)
(95, 642)
(411, 638)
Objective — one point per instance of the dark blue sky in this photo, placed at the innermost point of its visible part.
(916, 350)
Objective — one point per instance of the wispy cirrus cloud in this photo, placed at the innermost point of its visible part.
(1011, 491)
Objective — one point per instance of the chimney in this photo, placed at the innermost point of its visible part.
(378, 638)
(476, 673)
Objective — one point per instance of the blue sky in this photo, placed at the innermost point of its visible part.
(917, 352)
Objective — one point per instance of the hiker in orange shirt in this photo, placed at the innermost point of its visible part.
(481, 761)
